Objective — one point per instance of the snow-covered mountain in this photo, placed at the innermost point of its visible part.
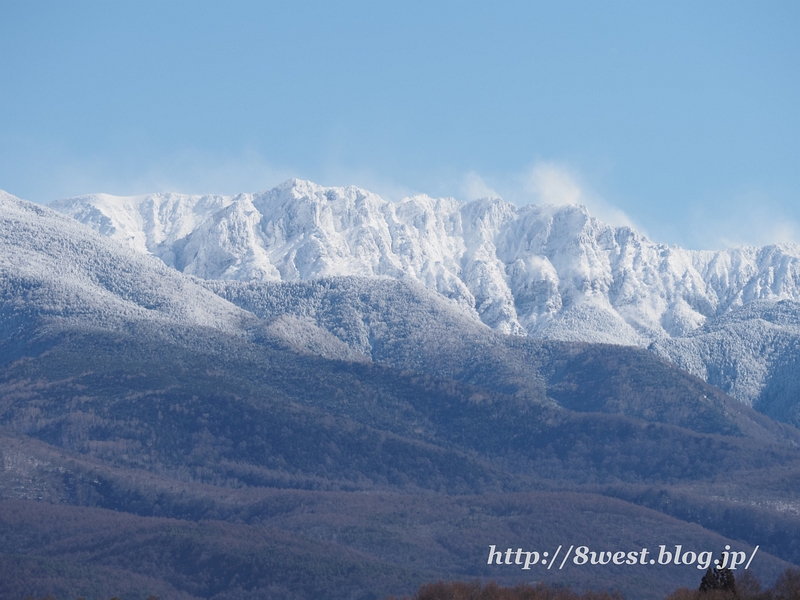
(553, 272)
(752, 353)
(58, 275)
(61, 282)
(740, 329)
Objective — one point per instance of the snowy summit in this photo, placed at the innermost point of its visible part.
(551, 271)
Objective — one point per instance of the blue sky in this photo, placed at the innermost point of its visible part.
(681, 118)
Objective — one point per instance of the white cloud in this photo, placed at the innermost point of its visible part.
(749, 218)
(553, 183)
(189, 171)
(473, 187)
(197, 172)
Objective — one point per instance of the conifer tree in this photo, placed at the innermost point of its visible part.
(718, 579)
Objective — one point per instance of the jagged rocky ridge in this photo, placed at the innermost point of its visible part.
(548, 271)
(552, 272)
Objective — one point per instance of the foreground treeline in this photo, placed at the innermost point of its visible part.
(722, 585)
(715, 585)
(458, 590)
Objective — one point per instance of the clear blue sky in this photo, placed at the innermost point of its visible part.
(680, 117)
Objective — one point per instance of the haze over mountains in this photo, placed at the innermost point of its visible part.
(550, 272)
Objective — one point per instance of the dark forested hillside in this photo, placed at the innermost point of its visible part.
(226, 417)
(158, 438)
(222, 432)
(408, 327)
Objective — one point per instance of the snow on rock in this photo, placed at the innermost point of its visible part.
(552, 272)
(751, 352)
(54, 270)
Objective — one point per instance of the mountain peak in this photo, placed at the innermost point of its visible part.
(552, 271)
(301, 185)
